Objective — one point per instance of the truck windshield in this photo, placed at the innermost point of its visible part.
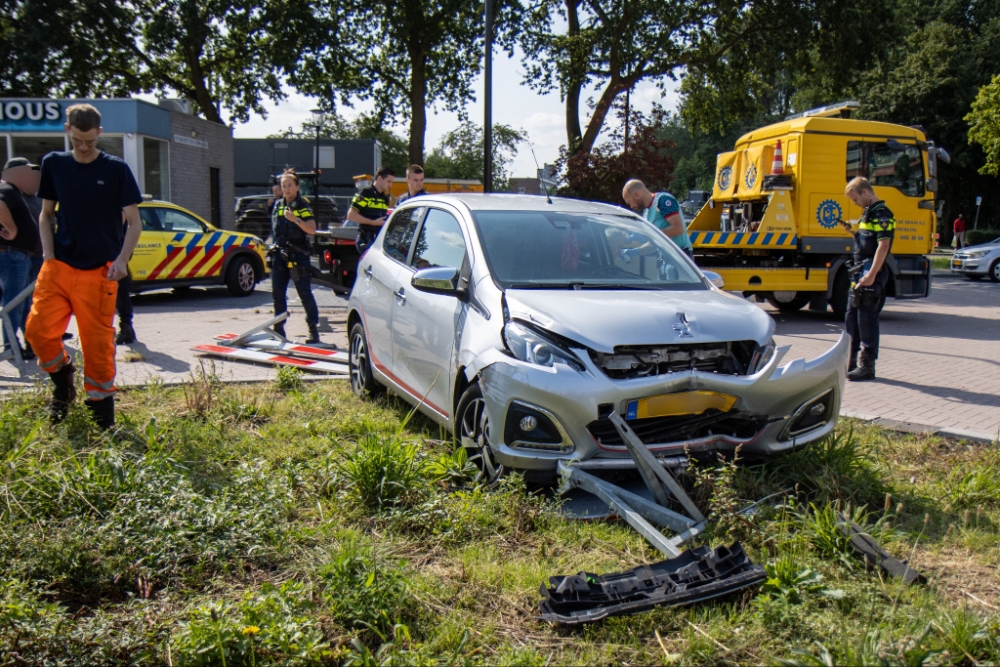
(552, 250)
(901, 168)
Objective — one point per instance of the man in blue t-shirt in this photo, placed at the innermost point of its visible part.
(86, 250)
(662, 209)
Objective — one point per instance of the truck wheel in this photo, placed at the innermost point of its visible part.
(472, 428)
(241, 279)
(787, 302)
(838, 301)
(359, 365)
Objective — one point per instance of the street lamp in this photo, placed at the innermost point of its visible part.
(317, 116)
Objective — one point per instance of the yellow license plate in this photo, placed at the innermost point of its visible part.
(956, 262)
(686, 403)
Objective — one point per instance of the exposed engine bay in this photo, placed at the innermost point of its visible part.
(731, 358)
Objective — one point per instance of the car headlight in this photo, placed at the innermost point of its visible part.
(534, 348)
(978, 254)
(762, 358)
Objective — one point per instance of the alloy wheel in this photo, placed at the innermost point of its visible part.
(474, 435)
(358, 362)
(245, 277)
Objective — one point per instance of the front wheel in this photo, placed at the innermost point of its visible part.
(472, 427)
(241, 279)
(995, 271)
(363, 382)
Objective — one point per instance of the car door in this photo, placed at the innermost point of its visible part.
(151, 250)
(377, 275)
(190, 246)
(425, 326)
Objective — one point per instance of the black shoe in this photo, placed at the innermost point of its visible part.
(279, 329)
(865, 369)
(313, 335)
(67, 336)
(103, 411)
(63, 394)
(126, 334)
(27, 353)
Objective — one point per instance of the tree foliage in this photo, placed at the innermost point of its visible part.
(984, 125)
(460, 154)
(601, 174)
(405, 55)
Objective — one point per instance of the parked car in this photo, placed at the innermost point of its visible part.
(521, 325)
(977, 261)
(179, 249)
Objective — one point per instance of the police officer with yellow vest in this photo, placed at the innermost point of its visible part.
(292, 223)
(872, 242)
(370, 207)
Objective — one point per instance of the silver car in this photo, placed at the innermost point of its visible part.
(521, 325)
(977, 261)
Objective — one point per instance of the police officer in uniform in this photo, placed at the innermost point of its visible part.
(292, 223)
(872, 243)
(414, 183)
(370, 207)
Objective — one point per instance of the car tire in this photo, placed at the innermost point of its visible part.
(472, 427)
(789, 305)
(995, 271)
(241, 277)
(841, 287)
(359, 365)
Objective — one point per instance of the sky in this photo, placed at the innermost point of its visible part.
(514, 104)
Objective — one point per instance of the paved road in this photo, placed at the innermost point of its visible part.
(939, 365)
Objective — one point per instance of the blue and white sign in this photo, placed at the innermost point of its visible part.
(29, 115)
(828, 213)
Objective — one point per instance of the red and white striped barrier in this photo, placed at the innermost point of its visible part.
(312, 365)
(293, 349)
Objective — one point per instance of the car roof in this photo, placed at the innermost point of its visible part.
(475, 201)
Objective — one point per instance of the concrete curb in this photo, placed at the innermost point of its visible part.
(925, 429)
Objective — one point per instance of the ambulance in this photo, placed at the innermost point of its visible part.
(771, 227)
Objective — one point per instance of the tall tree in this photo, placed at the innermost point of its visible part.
(408, 55)
(460, 154)
(616, 44)
(984, 125)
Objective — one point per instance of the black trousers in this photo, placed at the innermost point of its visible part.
(123, 304)
(280, 277)
(366, 238)
(862, 321)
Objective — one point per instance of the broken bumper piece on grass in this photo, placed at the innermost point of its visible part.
(694, 576)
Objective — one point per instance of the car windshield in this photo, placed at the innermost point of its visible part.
(551, 250)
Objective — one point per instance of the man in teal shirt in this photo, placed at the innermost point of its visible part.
(662, 209)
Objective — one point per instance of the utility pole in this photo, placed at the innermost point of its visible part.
(488, 103)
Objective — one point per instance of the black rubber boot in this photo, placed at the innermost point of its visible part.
(63, 394)
(313, 335)
(865, 369)
(126, 334)
(103, 411)
(279, 329)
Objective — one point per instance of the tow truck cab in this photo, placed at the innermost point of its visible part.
(778, 237)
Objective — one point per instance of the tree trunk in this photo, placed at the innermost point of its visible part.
(418, 106)
(574, 88)
(614, 88)
(199, 89)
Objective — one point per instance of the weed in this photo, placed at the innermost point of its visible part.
(363, 591)
(288, 379)
(384, 470)
(454, 468)
(969, 486)
(838, 467)
(269, 626)
(791, 582)
(877, 647)
(199, 394)
(820, 527)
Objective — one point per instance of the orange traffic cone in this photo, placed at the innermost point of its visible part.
(776, 164)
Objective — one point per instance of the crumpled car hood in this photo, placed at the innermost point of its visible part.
(603, 320)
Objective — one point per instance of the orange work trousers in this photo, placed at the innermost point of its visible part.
(62, 291)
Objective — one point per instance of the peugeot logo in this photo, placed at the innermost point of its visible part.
(681, 327)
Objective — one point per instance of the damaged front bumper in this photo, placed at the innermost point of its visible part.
(781, 407)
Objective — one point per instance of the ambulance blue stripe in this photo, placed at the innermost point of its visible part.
(193, 243)
(212, 241)
(246, 241)
(228, 244)
(178, 236)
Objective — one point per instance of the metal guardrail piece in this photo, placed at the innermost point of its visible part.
(262, 328)
(13, 351)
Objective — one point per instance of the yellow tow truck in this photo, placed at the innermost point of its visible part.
(776, 235)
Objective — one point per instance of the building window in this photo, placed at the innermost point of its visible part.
(901, 168)
(155, 168)
(35, 148)
(327, 157)
(111, 146)
(215, 195)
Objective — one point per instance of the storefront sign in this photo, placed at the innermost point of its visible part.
(27, 115)
(188, 141)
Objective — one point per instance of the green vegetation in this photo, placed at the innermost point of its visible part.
(279, 525)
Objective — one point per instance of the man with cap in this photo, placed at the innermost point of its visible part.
(19, 240)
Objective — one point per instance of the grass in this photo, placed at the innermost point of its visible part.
(941, 262)
(291, 524)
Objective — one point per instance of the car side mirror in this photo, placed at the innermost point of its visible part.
(715, 279)
(438, 280)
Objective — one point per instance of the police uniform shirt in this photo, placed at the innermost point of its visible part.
(406, 195)
(287, 232)
(876, 223)
(372, 205)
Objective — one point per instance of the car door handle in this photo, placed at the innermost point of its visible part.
(368, 272)
(400, 296)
